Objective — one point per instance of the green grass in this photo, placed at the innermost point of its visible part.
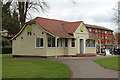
(35, 69)
(109, 63)
(5, 56)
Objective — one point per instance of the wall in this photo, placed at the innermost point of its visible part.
(26, 46)
(90, 50)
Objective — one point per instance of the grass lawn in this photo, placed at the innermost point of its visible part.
(35, 69)
(109, 63)
(5, 56)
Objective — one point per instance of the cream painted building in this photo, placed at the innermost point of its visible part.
(48, 37)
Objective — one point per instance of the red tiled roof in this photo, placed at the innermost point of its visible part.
(70, 27)
(57, 27)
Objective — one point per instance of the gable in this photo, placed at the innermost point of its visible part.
(33, 28)
(81, 29)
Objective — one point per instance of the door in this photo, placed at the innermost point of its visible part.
(81, 46)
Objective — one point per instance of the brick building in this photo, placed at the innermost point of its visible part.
(105, 34)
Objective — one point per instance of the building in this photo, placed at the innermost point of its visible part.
(4, 33)
(49, 37)
(105, 34)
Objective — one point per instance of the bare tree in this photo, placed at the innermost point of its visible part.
(22, 7)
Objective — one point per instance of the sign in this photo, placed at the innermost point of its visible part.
(29, 29)
(81, 29)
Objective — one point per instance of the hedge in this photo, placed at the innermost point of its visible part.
(6, 50)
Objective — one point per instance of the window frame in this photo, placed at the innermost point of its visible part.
(51, 43)
(36, 43)
(61, 43)
(90, 43)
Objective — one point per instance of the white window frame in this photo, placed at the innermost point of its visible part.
(36, 42)
(71, 43)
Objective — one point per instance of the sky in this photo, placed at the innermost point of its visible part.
(94, 12)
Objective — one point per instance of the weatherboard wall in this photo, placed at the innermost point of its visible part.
(26, 46)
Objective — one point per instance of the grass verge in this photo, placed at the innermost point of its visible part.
(109, 63)
(34, 69)
(6, 56)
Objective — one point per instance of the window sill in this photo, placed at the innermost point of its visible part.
(51, 47)
(60, 47)
(72, 47)
(39, 47)
(90, 47)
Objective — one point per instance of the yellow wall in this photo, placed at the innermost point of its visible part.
(26, 46)
(90, 50)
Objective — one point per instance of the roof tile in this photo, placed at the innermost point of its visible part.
(57, 27)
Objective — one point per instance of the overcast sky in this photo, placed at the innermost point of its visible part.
(95, 12)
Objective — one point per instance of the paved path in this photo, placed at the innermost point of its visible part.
(86, 68)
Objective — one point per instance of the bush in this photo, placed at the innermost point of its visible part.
(6, 42)
(6, 50)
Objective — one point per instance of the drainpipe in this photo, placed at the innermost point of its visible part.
(55, 47)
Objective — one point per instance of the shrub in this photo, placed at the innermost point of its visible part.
(6, 50)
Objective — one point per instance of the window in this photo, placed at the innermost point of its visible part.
(99, 31)
(29, 33)
(90, 29)
(102, 42)
(96, 30)
(108, 41)
(51, 42)
(59, 42)
(21, 37)
(73, 42)
(105, 31)
(39, 42)
(90, 43)
(66, 42)
(102, 31)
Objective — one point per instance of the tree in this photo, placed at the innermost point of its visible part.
(23, 7)
(20, 11)
(10, 21)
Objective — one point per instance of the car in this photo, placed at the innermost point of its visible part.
(116, 51)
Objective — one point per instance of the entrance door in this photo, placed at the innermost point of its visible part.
(81, 46)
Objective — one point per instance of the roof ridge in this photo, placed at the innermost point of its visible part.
(51, 19)
(89, 25)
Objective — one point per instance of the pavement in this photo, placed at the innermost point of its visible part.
(84, 67)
